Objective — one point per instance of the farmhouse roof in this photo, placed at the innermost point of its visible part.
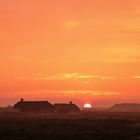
(66, 106)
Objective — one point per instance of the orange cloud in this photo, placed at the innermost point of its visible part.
(136, 77)
(67, 76)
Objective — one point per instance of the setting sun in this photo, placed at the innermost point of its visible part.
(87, 105)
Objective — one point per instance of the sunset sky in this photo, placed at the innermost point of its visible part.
(87, 51)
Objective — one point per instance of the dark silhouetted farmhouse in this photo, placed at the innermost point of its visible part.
(66, 108)
(34, 106)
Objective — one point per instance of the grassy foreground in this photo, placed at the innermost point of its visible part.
(84, 126)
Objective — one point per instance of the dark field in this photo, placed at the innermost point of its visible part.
(84, 126)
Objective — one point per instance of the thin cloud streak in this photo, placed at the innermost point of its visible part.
(71, 76)
(71, 92)
(136, 77)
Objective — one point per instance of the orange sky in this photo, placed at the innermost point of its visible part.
(61, 50)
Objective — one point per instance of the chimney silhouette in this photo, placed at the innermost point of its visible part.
(21, 99)
(70, 102)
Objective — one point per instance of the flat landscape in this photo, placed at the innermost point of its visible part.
(83, 126)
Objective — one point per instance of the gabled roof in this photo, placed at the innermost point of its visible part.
(33, 105)
(66, 107)
(34, 102)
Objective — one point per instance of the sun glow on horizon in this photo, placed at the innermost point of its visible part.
(87, 105)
